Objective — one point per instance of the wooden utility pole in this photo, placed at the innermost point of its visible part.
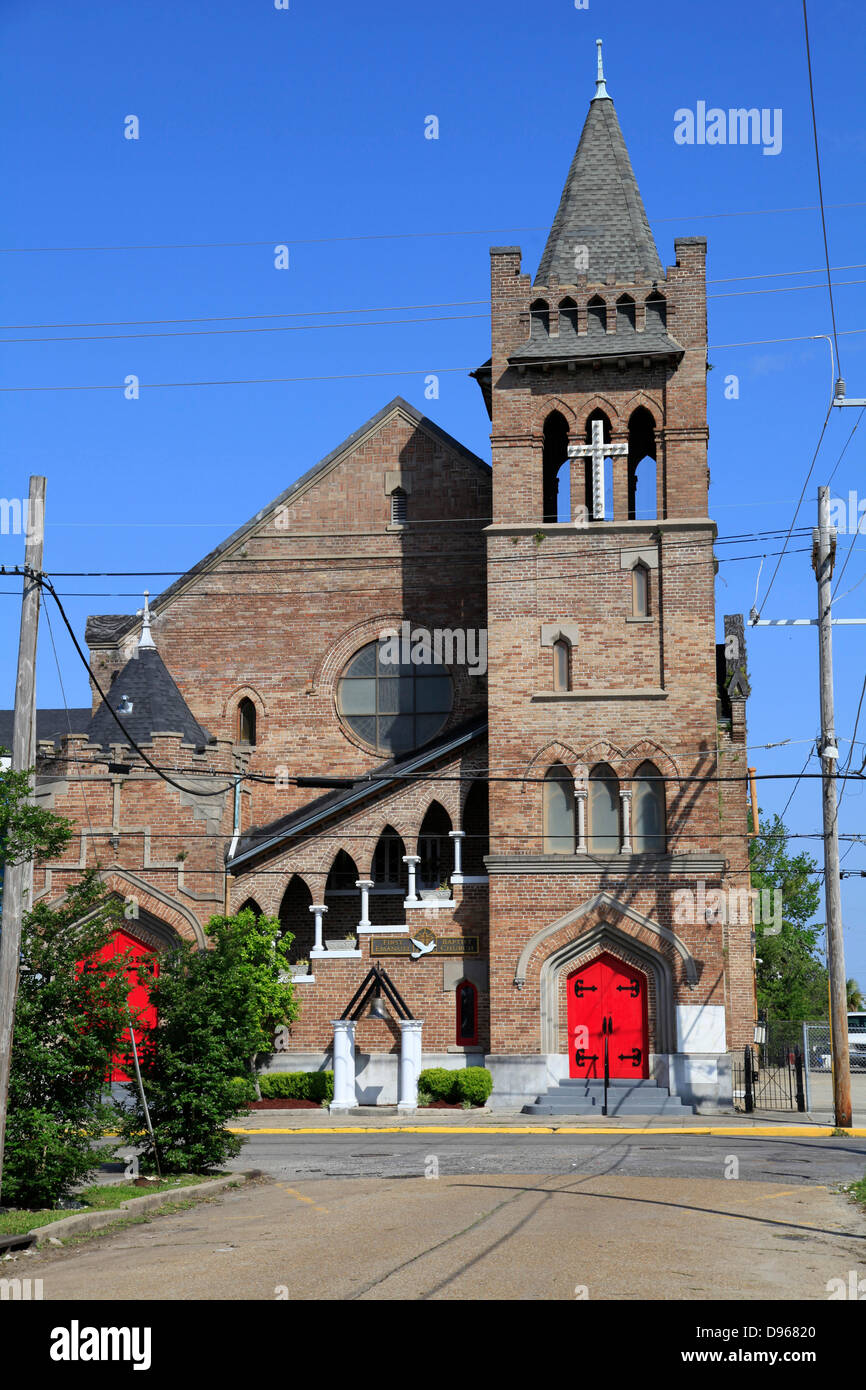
(17, 877)
(823, 554)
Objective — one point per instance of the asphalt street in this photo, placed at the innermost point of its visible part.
(821, 1161)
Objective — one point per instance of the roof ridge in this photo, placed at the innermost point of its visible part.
(201, 566)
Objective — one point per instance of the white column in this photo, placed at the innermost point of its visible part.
(457, 836)
(580, 798)
(344, 1065)
(365, 884)
(413, 860)
(410, 1062)
(318, 944)
(625, 797)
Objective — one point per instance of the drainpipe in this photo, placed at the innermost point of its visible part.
(236, 834)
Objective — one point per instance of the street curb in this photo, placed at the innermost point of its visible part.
(763, 1131)
(96, 1220)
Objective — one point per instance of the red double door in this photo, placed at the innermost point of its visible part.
(607, 999)
(121, 943)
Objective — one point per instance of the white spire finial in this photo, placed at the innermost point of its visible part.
(600, 88)
(145, 640)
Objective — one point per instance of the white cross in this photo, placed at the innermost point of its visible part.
(598, 451)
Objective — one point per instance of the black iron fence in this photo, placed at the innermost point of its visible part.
(770, 1079)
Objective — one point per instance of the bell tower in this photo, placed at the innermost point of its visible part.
(601, 619)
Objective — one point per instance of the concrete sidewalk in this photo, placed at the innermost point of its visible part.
(386, 1118)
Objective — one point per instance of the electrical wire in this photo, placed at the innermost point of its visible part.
(820, 185)
(392, 236)
(46, 584)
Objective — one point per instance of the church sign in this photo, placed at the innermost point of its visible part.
(423, 943)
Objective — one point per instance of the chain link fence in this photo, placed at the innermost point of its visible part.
(778, 1072)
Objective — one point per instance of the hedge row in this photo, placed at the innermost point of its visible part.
(470, 1083)
(297, 1085)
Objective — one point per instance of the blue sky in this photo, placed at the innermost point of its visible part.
(306, 126)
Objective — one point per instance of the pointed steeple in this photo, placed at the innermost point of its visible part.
(601, 209)
(147, 700)
(145, 640)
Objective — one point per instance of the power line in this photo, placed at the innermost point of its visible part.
(45, 583)
(281, 328)
(362, 376)
(381, 308)
(820, 187)
(394, 236)
(799, 505)
(309, 327)
(319, 593)
(356, 560)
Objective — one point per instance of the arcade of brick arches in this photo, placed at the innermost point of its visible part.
(515, 861)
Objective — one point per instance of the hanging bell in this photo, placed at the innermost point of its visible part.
(377, 1007)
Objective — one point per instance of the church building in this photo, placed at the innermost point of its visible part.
(504, 677)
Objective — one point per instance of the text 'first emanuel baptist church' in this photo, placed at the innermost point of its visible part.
(509, 837)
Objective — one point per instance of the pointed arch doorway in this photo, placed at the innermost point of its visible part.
(608, 996)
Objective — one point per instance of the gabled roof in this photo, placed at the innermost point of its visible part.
(107, 629)
(601, 209)
(157, 705)
(270, 837)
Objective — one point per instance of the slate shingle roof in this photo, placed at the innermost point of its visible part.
(157, 705)
(50, 723)
(601, 208)
(653, 341)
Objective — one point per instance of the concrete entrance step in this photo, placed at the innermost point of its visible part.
(580, 1097)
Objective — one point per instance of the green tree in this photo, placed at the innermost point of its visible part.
(70, 1016)
(856, 997)
(791, 974)
(217, 1011)
(27, 831)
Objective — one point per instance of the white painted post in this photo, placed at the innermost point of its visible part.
(410, 1062)
(580, 798)
(625, 797)
(365, 884)
(318, 944)
(344, 1065)
(412, 860)
(457, 836)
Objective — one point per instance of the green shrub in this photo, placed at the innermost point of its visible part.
(218, 1011)
(473, 1084)
(243, 1089)
(437, 1083)
(297, 1085)
(70, 1018)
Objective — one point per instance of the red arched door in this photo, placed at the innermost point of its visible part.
(608, 990)
(121, 943)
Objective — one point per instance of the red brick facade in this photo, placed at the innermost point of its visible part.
(275, 614)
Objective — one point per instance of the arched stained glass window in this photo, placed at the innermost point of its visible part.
(558, 810)
(604, 811)
(648, 817)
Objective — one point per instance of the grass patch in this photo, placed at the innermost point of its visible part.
(98, 1197)
(857, 1190)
